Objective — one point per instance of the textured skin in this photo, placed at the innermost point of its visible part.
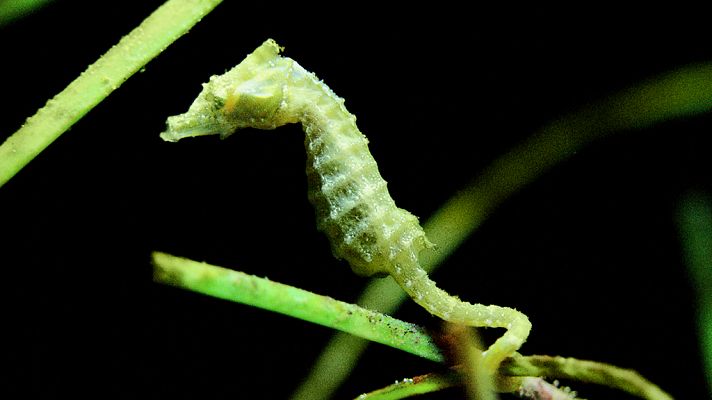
(351, 199)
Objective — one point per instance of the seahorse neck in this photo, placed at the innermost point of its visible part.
(317, 107)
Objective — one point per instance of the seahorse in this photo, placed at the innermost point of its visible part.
(351, 200)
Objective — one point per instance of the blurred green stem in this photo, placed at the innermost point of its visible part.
(695, 222)
(464, 345)
(683, 92)
(160, 29)
(11, 10)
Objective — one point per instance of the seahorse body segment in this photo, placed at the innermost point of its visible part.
(351, 199)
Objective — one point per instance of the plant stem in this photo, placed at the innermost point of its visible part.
(11, 10)
(294, 302)
(695, 224)
(412, 386)
(584, 371)
(160, 29)
(465, 347)
(298, 303)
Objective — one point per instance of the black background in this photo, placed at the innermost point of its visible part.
(590, 251)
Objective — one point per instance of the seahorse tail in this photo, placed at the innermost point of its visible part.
(425, 292)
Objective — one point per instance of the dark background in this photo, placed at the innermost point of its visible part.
(590, 251)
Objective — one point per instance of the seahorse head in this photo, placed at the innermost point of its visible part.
(251, 95)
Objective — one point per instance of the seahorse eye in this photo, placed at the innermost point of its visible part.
(255, 103)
